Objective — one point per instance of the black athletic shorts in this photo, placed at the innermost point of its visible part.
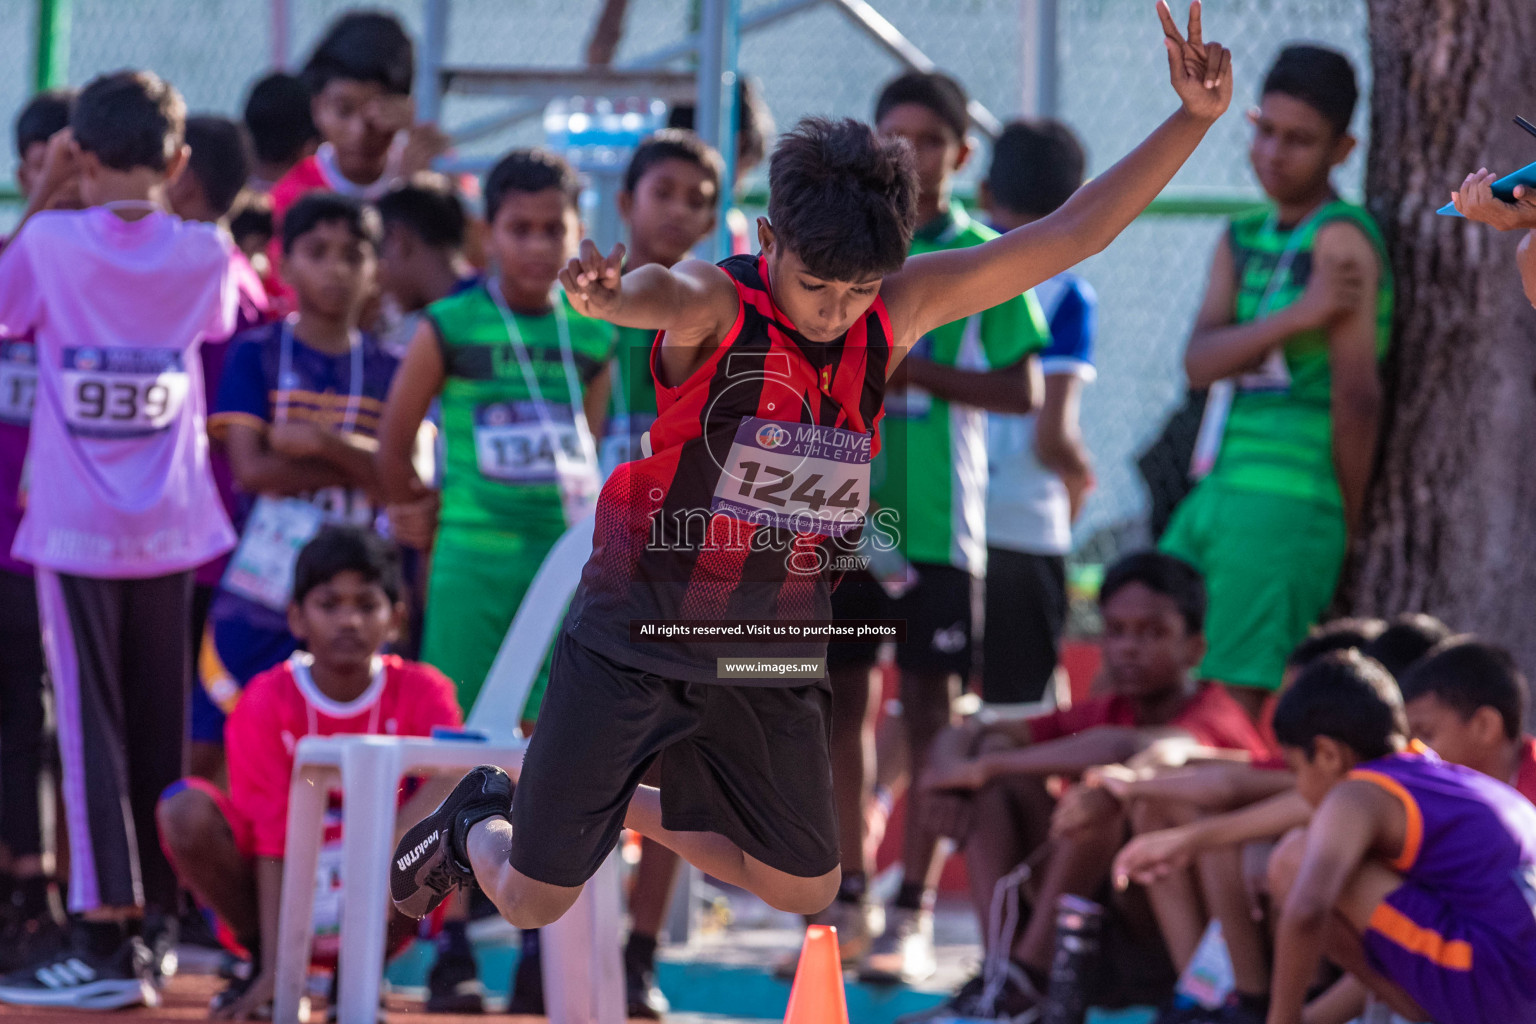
(937, 610)
(747, 762)
(1026, 612)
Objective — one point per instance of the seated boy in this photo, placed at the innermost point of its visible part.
(1297, 314)
(1466, 701)
(227, 848)
(1415, 875)
(1154, 612)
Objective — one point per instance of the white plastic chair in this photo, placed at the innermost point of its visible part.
(583, 976)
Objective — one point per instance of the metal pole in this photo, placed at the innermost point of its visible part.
(890, 39)
(282, 33)
(711, 113)
(51, 58)
(1047, 68)
(434, 46)
(730, 117)
(516, 113)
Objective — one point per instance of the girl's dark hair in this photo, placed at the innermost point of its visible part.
(843, 199)
(1346, 697)
(338, 549)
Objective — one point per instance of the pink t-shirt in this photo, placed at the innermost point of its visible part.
(120, 485)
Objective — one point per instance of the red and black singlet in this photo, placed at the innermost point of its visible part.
(755, 483)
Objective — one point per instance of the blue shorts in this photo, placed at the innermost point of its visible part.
(1460, 970)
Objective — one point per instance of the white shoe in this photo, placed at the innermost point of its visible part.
(904, 953)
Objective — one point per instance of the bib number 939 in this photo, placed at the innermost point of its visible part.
(137, 392)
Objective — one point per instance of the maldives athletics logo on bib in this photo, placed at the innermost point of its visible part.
(771, 436)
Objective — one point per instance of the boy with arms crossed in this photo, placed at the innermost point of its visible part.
(797, 341)
(1298, 310)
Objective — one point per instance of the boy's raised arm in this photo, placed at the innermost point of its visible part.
(938, 288)
(689, 298)
(694, 302)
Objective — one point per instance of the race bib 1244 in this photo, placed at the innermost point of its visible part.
(796, 476)
(123, 392)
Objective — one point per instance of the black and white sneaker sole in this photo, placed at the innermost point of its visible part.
(425, 868)
(107, 994)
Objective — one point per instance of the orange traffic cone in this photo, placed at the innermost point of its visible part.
(817, 995)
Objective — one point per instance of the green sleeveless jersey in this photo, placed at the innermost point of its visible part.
(499, 467)
(1279, 434)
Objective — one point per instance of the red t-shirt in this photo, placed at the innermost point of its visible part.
(1211, 716)
(1525, 772)
(283, 704)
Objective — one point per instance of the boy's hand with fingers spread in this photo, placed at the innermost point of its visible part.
(592, 280)
(1201, 72)
(1475, 201)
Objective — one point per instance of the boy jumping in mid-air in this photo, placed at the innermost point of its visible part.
(1416, 876)
(771, 377)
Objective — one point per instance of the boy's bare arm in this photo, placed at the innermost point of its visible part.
(1012, 389)
(939, 288)
(419, 378)
(1355, 395)
(1210, 785)
(1344, 828)
(1070, 755)
(269, 902)
(1153, 855)
(258, 469)
(694, 302)
(1059, 437)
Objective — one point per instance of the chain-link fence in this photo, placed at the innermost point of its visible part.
(1111, 89)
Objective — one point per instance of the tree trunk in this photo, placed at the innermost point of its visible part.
(1451, 522)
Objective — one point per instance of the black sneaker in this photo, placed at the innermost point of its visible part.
(81, 980)
(527, 996)
(646, 1001)
(454, 986)
(430, 861)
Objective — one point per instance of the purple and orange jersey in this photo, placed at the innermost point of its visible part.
(1460, 933)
